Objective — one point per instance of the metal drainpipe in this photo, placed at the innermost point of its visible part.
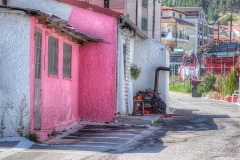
(157, 76)
(136, 13)
(153, 21)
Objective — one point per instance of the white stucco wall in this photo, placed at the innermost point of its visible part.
(121, 100)
(149, 55)
(14, 67)
(61, 10)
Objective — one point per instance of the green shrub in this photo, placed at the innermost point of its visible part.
(232, 82)
(201, 88)
(209, 81)
(33, 137)
(222, 83)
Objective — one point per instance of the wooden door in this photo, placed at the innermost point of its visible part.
(37, 78)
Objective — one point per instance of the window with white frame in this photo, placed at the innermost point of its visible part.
(52, 56)
(67, 58)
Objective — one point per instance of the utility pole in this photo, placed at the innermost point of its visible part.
(232, 9)
(218, 37)
(176, 34)
(231, 26)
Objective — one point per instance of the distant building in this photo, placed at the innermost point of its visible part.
(202, 33)
(235, 32)
(221, 34)
(174, 27)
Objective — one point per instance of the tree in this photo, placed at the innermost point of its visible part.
(211, 7)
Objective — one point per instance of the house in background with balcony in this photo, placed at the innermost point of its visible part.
(174, 26)
(173, 35)
(201, 33)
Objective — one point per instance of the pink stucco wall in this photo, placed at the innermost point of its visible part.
(59, 106)
(97, 78)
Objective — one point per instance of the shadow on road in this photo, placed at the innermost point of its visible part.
(187, 122)
(154, 143)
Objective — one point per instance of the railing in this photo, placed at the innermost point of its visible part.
(180, 36)
(164, 34)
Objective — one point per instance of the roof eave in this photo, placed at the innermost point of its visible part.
(49, 21)
(133, 26)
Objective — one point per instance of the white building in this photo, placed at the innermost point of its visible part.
(202, 33)
(174, 28)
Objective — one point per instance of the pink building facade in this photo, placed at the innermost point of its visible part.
(97, 72)
(90, 92)
(59, 96)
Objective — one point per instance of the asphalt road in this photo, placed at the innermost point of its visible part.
(205, 129)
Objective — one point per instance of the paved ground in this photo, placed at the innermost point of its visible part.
(209, 130)
(102, 137)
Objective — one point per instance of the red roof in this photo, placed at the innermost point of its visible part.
(92, 7)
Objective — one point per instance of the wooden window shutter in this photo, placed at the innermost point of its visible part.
(67, 57)
(52, 56)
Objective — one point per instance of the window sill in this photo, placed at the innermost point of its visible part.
(52, 76)
(68, 79)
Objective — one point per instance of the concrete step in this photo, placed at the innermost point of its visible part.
(138, 120)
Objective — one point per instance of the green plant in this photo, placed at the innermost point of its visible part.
(54, 133)
(232, 81)
(155, 123)
(33, 137)
(183, 87)
(4, 113)
(135, 71)
(201, 88)
(204, 94)
(209, 81)
(222, 83)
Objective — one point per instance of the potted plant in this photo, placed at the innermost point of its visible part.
(135, 71)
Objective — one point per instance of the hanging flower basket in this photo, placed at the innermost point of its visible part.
(135, 71)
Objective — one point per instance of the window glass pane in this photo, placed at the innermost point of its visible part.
(144, 3)
(67, 56)
(144, 24)
(106, 3)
